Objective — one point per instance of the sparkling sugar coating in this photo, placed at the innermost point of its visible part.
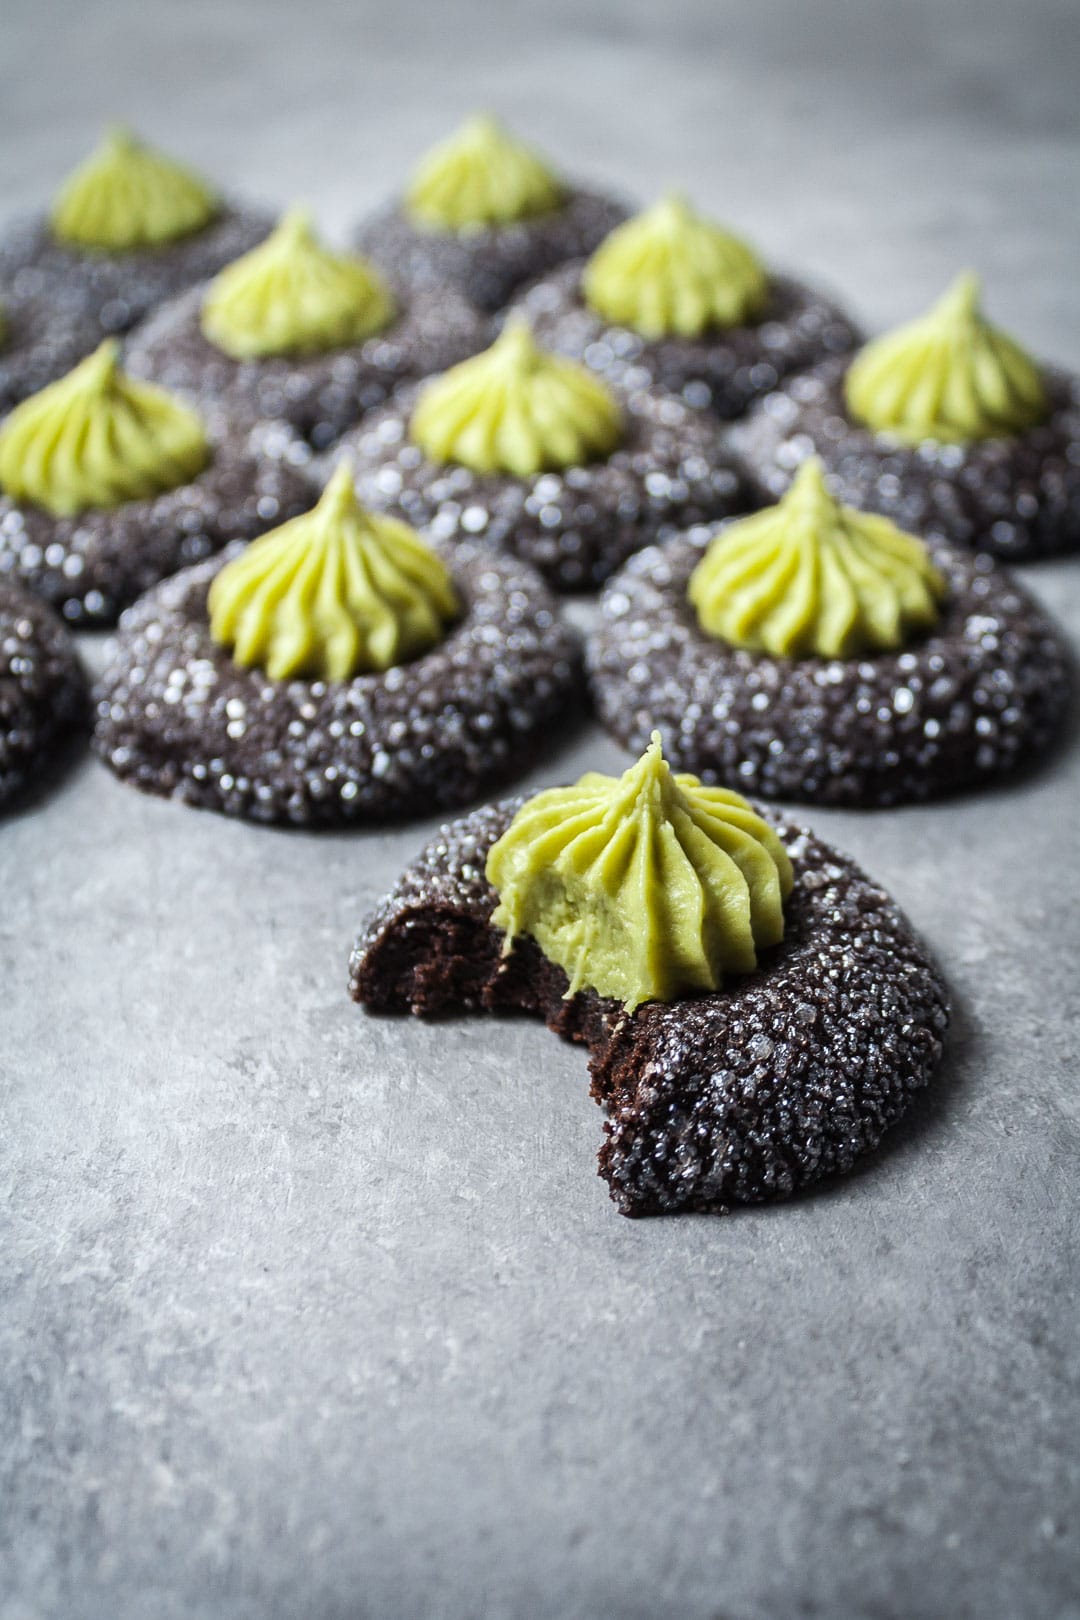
(40, 343)
(320, 395)
(175, 716)
(984, 692)
(672, 469)
(723, 372)
(91, 566)
(739, 1096)
(42, 689)
(1017, 498)
(118, 289)
(487, 264)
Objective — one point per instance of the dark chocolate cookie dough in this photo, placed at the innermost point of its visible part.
(42, 691)
(672, 470)
(740, 1096)
(117, 289)
(487, 264)
(981, 695)
(92, 565)
(722, 371)
(320, 395)
(176, 716)
(1016, 497)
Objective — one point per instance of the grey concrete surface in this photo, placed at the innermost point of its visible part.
(311, 1316)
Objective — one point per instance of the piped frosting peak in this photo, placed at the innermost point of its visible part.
(809, 577)
(291, 295)
(644, 887)
(516, 409)
(481, 175)
(126, 196)
(669, 273)
(333, 593)
(97, 438)
(948, 376)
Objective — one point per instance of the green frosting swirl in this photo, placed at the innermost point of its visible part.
(949, 376)
(332, 593)
(645, 886)
(516, 409)
(480, 176)
(670, 273)
(290, 295)
(126, 196)
(96, 438)
(812, 578)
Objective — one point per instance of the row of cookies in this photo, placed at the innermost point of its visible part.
(666, 298)
(947, 425)
(112, 485)
(131, 230)
(344, 666)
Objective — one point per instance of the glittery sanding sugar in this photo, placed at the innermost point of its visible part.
(92, 565)
(673, 469)
(721, 371)
(749, 1094)
(176, 716)
(118, 289)
(1015, 497)
(39, 344)
(42, 691)
(985, 693)
(320, 395)
(487, 264)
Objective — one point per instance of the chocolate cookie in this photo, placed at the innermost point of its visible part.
(38, 344)
(117, 289)
(91, 566)
(42, 690)
(721, 371)
(672, 470)
(176, 716)
(487, 264)
(320, 395)
(1016, 497)
(983, 694)
(739, 1096)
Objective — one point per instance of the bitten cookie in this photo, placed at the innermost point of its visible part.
(294, 332)
(129, 229)
(107, 485)
(536, 456)
(672, 301)
(790, 1070)
(945, 426)
(338, 670)
(813, 652)
(42, 691)
(483, 214)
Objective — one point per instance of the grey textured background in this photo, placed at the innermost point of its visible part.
(310, 1315)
